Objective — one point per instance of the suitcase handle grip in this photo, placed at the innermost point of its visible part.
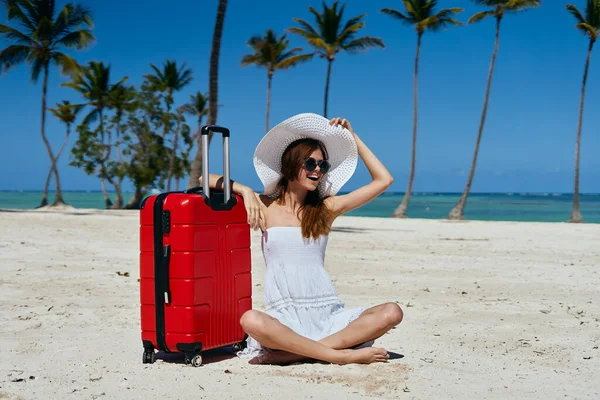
(205, 131)
(194, 189)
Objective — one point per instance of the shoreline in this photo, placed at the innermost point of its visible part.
(102, 211)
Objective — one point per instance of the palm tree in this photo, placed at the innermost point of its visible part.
(589, 26)
(273, 53)
(42, 36)
(213, 88)
(497, 10)
(170, 79)
(421, 15)
(94, 85)
(66, 113)
(331, 37)
(197, 107)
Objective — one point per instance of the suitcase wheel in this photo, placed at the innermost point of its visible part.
(195, 360)
(239, 346)
(149, 357)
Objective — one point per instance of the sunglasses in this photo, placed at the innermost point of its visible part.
(310, 164)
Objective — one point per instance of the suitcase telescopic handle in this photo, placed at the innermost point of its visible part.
(226, 173)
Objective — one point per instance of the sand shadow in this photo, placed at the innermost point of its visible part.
(345, 229)
(393, 356)
(208, 357)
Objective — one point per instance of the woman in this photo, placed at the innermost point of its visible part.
(303, 162)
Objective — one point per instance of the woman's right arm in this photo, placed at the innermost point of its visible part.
(253, 205)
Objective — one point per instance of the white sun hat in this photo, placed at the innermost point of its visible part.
(339, 142)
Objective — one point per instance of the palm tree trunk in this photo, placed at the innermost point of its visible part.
(136, 200)
(119, 200)
(215, 50)
(59, 200)
(173, 153)
(44, 201)
(329, 62)
(269, 79)
(107, 201)
(400, 212)
(576, 213)
(46, 186)
(457, 213)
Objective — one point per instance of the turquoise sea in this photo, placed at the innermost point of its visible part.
(533, 207)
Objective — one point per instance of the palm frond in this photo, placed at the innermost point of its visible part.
(78, 39)
(37, 66)
(588, 30)
(576, 13)
(252, 59)
(318, 16)
(307, 27)
(282, 56)
(72, 17)
(353, 21)
(440, 20)
(255, 41)
(479, 16)
(91, 117)
(293, 61)
(15, 13)
(363, 43)
(349, 33)
(319, 43)
(13, 55)
(68, 66)
(15, 35)
(397, 15)
(304, 33)
(519, 5)
(488, 3)
(448, 12)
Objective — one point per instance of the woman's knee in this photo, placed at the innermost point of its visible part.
(252, 322)
(392, 314)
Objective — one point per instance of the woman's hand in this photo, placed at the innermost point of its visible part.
(344, 123)
(256, 217)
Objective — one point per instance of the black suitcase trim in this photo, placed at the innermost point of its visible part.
(161, 274)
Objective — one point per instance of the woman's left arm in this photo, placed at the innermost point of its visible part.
(382, 179)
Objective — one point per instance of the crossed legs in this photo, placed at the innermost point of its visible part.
(290, 347)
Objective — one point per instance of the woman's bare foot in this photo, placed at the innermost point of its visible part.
(365, 355)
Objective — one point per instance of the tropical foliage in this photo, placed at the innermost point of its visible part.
(40, 39)
(140, 133)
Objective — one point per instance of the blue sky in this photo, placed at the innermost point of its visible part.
(529, 139)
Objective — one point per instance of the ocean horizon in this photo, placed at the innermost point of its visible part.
(519, 207)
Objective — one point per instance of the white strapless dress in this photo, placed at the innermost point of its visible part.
(298, 290)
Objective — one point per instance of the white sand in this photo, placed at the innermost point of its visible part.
(492, 310)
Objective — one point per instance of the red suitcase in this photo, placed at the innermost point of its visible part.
(195, 267)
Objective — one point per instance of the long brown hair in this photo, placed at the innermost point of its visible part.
(316, 216)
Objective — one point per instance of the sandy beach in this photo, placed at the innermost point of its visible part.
(493, 310)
